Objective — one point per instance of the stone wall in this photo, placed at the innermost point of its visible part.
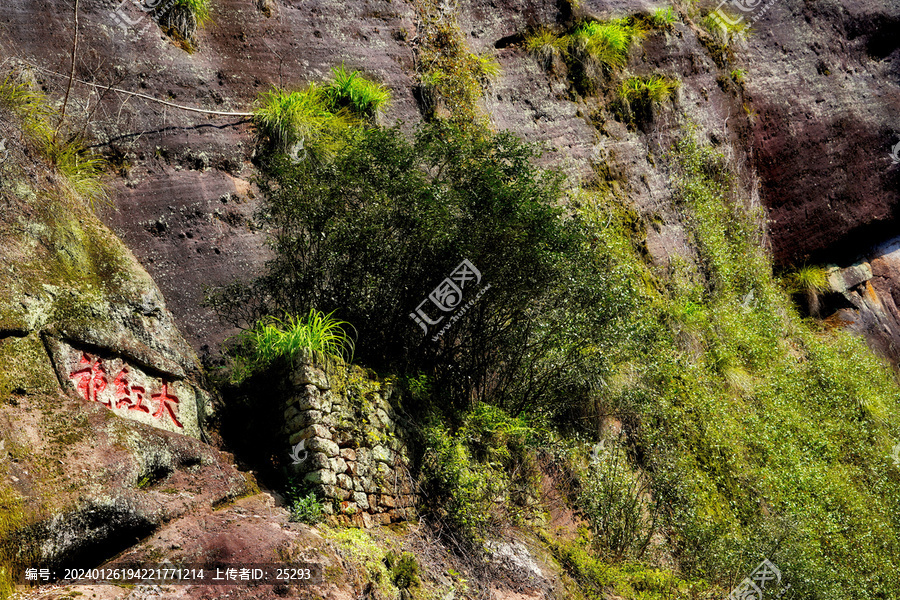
(346, 439)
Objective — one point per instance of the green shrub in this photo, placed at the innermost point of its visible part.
(403, 569)
(466, 495)
(472, 479)
(349, 90)
(616, 502)
(307, 509)
(371, 233)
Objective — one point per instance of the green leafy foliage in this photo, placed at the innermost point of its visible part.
(372, 232)
(468, 474)
(595, 577)
(402, 569)
(761, 435)
(769, 437)
(303, 504)
(307, 509)
(616, 501)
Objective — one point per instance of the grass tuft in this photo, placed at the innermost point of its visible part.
(273, 339)
(605, 43)
(664, 18)
(725, 29)
(288, 118)
(82, 170)
(655, 89)
(350, 90)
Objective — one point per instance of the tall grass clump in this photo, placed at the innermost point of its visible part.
(545, 45)
(726, 30)
(285, 119)
(350, 90)
(654, 89)
(811, 282)
(81, 169)
(273, 339)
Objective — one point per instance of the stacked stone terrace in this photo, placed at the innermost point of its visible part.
(343, 430)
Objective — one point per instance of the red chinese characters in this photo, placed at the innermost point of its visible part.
(167, 403)
(91, 379)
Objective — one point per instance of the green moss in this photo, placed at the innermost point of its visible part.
(25, 368)
(366, 557)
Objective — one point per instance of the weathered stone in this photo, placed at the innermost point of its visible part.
(364, 458)
(344, 481)
(381, 454)
(841, 280)
(388, 501)
(322, 476)
(351, 468)
(344, 438)
(338, 465)
(361, 500)
(310, 398)
(291, 412)
(326, 446)
(385, 472)
(306, 375)
(318, 460)
(341, 494)
(348, 454)
(368, 485)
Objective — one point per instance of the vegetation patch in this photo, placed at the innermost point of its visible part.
(316, 335)
(80, 169)
(452, 78)
(181, 19)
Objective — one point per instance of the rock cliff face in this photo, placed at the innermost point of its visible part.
(102, 402)
(86, 337)
(814, 114)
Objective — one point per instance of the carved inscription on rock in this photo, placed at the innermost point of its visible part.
(129, 390)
